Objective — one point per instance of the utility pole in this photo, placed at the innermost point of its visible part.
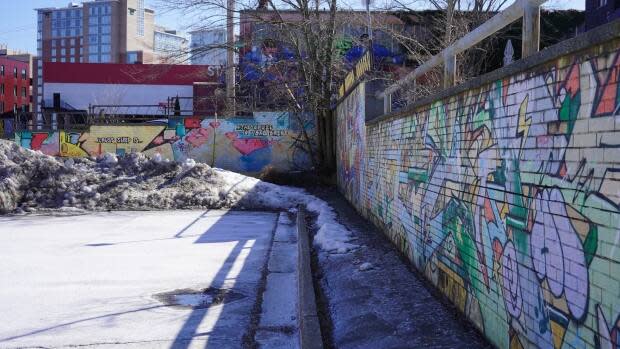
(230, 58)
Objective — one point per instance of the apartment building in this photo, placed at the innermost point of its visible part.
(169, 47)
(15, 88)
(208, 46)
(98, 31)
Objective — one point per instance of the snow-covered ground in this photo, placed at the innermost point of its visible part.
(94, 279)
(33, 182)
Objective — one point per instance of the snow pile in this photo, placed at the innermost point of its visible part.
(31, 181)
(331, 236)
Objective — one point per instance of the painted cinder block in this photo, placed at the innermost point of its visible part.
(510, 190)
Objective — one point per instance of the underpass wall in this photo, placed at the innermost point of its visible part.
(505, 192)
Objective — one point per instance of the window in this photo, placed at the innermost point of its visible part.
(72, 59)
(1, 70)
(93, 49)
(63, 59)
(15, 91)
(53, 59)
(2, 90)
(63, 51)
(140, 28)
(132, 57)
(15, 108)
(72, 51)
(72, 42)
(602, 3)
(1, 107)
(53, 43)
(23, 92)
(106, 29)
(53, 52)
(93, 58)
(105, 59)
(23, 73)
(105, 39)
(15, 72)
(105, 48)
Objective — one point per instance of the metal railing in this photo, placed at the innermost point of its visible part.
(529, 10)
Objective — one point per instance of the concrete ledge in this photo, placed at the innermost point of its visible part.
(309, 328)
(596, 36)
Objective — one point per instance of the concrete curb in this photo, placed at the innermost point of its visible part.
(309, 328)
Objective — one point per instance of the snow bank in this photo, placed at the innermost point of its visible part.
(33, 182)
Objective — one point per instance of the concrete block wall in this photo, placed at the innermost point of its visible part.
(506, 196)
(267, 141)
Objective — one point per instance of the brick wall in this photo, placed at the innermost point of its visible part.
(506, 197)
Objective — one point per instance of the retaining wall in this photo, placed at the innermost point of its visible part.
(268, 140)
(505, 192)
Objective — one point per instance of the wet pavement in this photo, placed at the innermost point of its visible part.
(376, 300)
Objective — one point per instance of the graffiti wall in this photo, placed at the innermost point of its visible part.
(350, 143)
(507, 198)
(267, 140)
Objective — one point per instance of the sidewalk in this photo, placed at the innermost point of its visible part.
(376, 300)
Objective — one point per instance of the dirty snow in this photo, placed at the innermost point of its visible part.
(34, 182)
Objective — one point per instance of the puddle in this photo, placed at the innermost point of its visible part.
(198, 299)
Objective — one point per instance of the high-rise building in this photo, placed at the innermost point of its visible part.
(208, 46)
(98, 31)
(169, 47)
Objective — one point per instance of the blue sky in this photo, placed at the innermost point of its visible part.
(18, 24)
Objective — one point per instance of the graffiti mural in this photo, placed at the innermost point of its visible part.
(45, 142)
(507, 197)
(350, 142)
(266, 140)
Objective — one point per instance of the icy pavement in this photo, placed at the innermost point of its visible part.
(375, 300)
(98, 279)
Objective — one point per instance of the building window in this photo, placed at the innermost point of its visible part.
(1, 107)
(15, 91)
(15, 72)
(72, 51)
(72, 59)
(132, 57)
(23, 73)
(63, 59)
(140, 18)
(53, 52)
(105, 48)
(23, 92)
(1, 70)
(15, 108)
(105, 59)
(602, 3)
(2, 90)
(93, 58)
(93, 49)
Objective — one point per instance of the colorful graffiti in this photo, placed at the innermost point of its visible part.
(250, 145)
(351, 128)
(507, 197)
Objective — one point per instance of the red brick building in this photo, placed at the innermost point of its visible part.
(14, 85)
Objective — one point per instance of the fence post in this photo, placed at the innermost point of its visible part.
(387, 103)
(449, 69)
(531, 29)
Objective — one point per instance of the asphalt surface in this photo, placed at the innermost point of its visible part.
(113, 279)
(372, 298)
